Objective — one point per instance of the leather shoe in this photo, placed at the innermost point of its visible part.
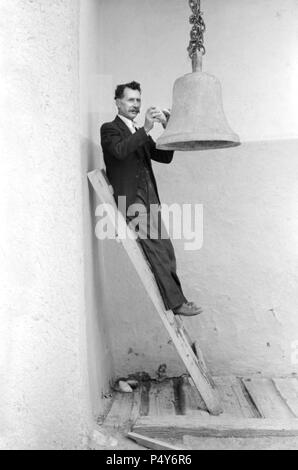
(188, 309)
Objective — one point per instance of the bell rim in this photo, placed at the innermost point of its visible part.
(179, 142)
(192, 136)
(177, 148)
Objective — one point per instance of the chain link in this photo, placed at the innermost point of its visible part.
(198, 29)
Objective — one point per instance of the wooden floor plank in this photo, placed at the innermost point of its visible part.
(144, 392)
(120, 413)
(136, 406)
(267, 399)
(233, 399)
(162, 399)
(175, 427)
(241, 443)
(288, 388)
(190, 397)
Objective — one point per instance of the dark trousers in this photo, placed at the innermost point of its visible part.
(159, 252)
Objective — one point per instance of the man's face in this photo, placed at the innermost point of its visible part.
(129, 105)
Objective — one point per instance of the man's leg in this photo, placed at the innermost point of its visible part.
(160, 254)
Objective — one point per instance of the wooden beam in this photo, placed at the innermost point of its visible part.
(175, 427)
(244, 443)
(194, 366)
(151, 443)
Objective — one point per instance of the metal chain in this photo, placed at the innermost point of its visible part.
(198, 29)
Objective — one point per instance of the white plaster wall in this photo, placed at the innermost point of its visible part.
(99, 353)
(251, 47)
(245, 276)
(45, 397)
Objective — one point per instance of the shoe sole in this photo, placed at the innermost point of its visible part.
(187, 314)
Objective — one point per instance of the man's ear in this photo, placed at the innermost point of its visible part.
(117, 101)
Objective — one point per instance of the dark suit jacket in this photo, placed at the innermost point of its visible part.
(123, 155)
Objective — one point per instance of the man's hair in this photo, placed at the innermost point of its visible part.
(120, 89)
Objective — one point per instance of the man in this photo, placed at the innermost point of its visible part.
(128, 151)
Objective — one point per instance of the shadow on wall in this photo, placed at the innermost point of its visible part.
(100, 359)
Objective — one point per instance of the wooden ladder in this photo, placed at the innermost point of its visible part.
(189, 352)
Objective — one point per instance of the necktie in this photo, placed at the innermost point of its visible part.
(135, 127)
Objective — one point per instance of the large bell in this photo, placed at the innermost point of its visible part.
(197, 121)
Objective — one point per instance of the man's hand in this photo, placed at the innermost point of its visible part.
(154, 115)
(150, 118)
(167, 115)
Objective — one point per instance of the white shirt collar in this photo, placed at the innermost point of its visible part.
(130, 124)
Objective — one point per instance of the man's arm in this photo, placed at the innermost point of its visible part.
(161, 156)
(113, 142)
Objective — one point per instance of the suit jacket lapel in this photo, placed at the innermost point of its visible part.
(122, 126)
(125, 130)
